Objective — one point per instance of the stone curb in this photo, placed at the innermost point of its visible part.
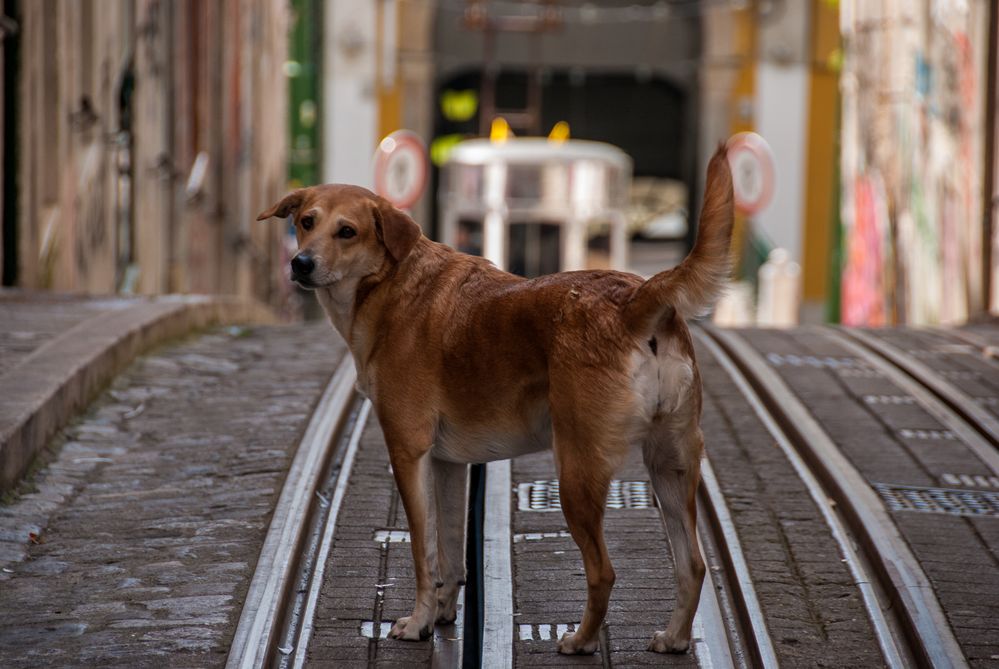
(46, 389)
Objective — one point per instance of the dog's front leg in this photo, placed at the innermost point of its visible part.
(412, 476)
(451, 488)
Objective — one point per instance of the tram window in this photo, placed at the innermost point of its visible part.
(469, 237)
(534, 248)
(524, 182)
(468, 184)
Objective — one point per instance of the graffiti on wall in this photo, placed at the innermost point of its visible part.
(912, 180)
(863, 291)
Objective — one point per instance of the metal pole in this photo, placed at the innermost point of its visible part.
(534, 86)
(487, 110)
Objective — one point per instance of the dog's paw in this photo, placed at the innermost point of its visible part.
(663, 642)
(447, 606)
(408, 629)
(446, 614)
(572, 644)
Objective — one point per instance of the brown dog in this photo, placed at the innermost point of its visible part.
(466, 363)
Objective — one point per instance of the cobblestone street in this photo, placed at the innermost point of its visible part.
(227, 500)
(139, 538)
(499, 334)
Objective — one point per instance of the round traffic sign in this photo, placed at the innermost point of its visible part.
(752, 164)
(401, 168)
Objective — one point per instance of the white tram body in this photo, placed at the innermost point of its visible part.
(534, 206)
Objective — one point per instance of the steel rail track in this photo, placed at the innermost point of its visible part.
(278, 617)
(749, 643)
(716, 636)
(729, 630)
(926, 634)
(988, 351)
(876, 602)
(276, 623)
(257, 632)
(300, 627)
(957, 400)
(497, 569)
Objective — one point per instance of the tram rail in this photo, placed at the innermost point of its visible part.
(277, 623)
(916, 628)
(278, 620)
(874, 597)
(968, 411)
(986, 346)
(257, 633)
(749, 642)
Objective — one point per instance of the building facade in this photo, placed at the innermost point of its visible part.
(918, 120)
(150, 134)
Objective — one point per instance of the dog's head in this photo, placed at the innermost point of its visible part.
(343, 232)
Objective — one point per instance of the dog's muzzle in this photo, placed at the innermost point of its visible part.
(302, 266)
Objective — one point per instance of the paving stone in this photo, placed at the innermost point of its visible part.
(358, 564)
(151, 520)
(31, 320)
(550, 583)
(868, 434)
(804, 587)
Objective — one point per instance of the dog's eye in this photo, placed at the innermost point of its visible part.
(307, 222)
(346, 232)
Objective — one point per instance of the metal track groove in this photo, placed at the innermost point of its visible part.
(926, 627)
(956, 400)
(889, 640)
(258, 627)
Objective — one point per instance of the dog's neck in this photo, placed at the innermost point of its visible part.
(345, 301)
(338, 303)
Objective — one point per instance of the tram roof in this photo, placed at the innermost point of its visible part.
(536, 150)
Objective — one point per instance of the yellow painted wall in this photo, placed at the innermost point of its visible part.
(389, 93)
(743, 90)
(821, 151)
(389, 110)
(745, 84)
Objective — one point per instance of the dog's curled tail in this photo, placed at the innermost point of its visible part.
(691, 287)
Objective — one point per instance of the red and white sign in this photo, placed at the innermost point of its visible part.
(401, 168)
(753, 174)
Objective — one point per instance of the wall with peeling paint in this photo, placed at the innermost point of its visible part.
(913, 132)
(119, 102)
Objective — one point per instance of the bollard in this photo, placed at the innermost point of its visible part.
(735, 307)
(779, 291)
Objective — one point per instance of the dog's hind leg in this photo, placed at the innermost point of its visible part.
(583, 485)
(451, 487)
(672, 457)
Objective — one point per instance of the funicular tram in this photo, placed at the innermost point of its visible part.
(535, 206)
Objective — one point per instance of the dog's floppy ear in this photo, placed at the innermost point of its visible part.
(397, 231)
(288, 204)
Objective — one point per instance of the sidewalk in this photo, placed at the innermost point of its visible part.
(145, 528)
(58, 351)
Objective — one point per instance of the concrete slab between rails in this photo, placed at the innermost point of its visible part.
(45, 389)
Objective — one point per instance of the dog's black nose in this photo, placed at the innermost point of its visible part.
(302, 264)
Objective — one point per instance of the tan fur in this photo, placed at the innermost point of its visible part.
(694, 285)
(467, 363)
